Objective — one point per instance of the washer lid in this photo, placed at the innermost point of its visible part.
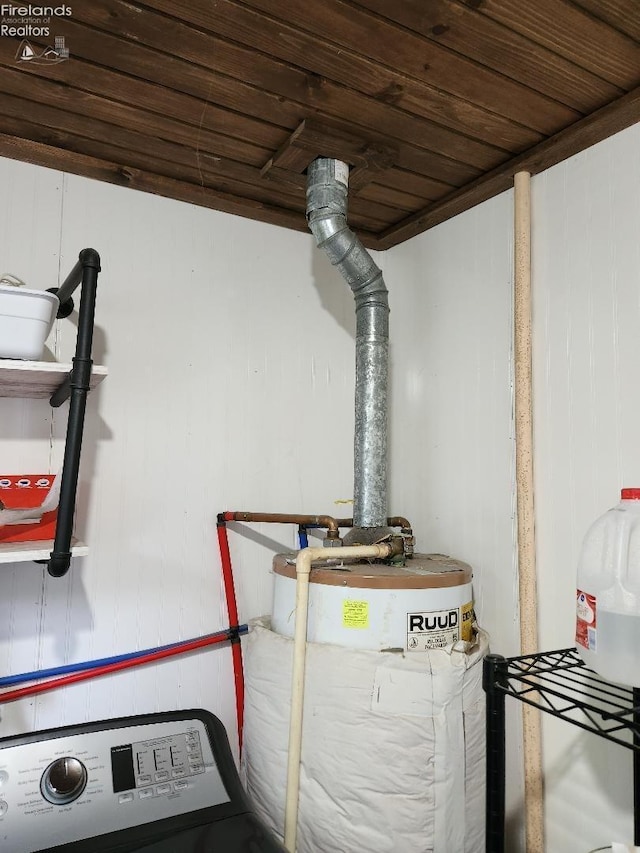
(423, 571)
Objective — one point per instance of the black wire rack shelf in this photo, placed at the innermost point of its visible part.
(559, 683)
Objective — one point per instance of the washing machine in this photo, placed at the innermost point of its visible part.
(159, 783)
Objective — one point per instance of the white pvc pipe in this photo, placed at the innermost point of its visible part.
(531, 729)
(303, 570)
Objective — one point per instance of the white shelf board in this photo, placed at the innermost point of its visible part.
(20, 552)
(38, 378)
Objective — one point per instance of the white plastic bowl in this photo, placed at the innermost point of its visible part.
(26, 318)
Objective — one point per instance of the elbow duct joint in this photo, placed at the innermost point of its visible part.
(327, 217)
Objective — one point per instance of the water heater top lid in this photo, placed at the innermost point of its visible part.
(424, 571)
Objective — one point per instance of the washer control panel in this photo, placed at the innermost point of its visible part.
(78, 786)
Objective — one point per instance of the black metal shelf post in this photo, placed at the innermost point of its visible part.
(76, 386)
(558, 683)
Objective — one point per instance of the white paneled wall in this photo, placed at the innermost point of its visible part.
(452, 448)
(587, 390)
(224, 338)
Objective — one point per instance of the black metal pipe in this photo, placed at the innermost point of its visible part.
(71, 281)
(62, 392)
(493, 677)
(89, 262)
(65, 290)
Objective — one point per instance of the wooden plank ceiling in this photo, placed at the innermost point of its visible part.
(222, 103)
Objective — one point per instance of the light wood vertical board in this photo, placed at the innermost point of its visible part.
(527, 569)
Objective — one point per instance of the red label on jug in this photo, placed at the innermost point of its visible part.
(586, 629)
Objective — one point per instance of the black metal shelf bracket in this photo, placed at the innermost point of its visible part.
(558, 683)
(76, 387)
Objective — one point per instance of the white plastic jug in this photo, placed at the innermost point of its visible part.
(608, 594)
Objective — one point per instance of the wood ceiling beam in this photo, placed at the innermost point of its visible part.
(54, 127)
(345, 25)
(144, 108)
(462, 27)
(594, 128)
(312, 139)
(176, 55)
(39, 154)
(300, 64)
(573, 34)
(51, 157)
(620, 14)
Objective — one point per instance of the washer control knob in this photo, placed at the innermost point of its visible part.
(63, 781)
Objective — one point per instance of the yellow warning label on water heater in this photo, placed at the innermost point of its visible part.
(466, 619)
(355, 614)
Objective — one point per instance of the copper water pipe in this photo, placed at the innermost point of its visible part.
(399, 521)
(332, 524)
(285, 518)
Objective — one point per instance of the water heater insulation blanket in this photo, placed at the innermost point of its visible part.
(392, 751)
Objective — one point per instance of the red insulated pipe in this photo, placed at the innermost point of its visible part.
(232, 610)
(32, 690)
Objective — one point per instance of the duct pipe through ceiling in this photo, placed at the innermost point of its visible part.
(327, 188)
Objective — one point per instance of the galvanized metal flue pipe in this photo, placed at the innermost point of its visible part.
(327, 188)
(392, 521)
